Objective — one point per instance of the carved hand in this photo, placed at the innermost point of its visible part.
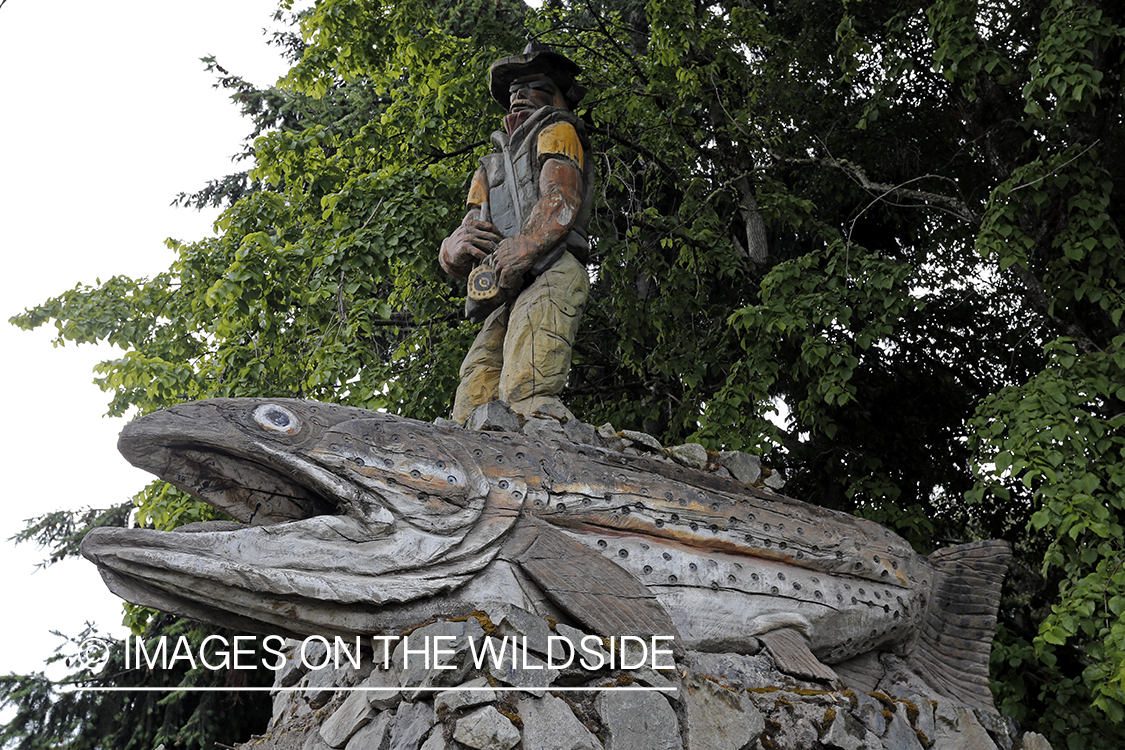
(514, 257)
(472, 240)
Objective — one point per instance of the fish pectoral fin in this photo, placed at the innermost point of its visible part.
(593, 590)
(790, 651)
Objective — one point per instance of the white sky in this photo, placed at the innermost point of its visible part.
(106, 114)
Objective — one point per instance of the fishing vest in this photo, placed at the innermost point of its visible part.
(518, 162)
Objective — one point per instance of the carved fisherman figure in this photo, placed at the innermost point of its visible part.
(528, 209)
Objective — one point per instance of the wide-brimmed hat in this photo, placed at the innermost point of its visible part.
(537, 59)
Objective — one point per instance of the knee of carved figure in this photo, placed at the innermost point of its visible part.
(480, 384)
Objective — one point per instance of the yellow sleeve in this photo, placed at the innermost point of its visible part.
(560, 140)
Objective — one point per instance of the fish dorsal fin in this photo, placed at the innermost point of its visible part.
(590, 588)
(956, 636)
(790, 651)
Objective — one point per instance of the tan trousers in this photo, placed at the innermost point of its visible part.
(522, 353)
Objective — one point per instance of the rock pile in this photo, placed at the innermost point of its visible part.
(394, 699)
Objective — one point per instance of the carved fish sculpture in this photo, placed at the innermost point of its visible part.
(353, 522)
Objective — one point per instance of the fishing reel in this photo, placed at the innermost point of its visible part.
(483, 292)
(484, 283)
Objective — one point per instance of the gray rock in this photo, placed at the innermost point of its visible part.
(799, 732)
(549, 724)
(956, 728)
(706, 714)
(293, 669)
(436, 740)
(448, 424)
(372, 736)
(925, 721)
(552, 409)
(580, 432)
(283, 705)
(742, 466)
(312, 653)
(322, 677)
(870, 712)
(591, 651)
(544, 428)
(1035, 741)
(1001, 729)
(847, 733)
(749, 671)
(412, 722)
(633, 653)
(607, 431)
(313, 741)
(774, 481)
(383, 649)
(900, 735)
(319, 695)
(352, 715)
(424, 666)
(716, 718)
(487, 729)
(522, 669)
(494, 416)
(459, 697)
(693, 455)
(616, 444)
(662, 679)
(643, 439)
(516, 622)
(389, 679)
(350, 675)
(638, 721)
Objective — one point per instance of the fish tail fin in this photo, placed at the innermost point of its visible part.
(956, 637)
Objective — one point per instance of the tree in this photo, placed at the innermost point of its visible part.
(897, 220)
(45, 717)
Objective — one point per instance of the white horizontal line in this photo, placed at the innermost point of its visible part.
(624, 688)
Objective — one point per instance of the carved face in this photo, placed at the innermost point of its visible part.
(533, 92)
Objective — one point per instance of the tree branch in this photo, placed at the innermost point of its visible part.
(952, 205)
(643, 151)
(439, 155)
(617, 45)
(406, 320)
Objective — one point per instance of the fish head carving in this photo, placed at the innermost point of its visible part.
(268, 461)
(350, 519)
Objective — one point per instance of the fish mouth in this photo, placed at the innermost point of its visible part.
(247, 490)
(251, 480)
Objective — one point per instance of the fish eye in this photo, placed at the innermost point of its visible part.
(276, 418)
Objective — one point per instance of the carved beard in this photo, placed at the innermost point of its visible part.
(514, 120)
